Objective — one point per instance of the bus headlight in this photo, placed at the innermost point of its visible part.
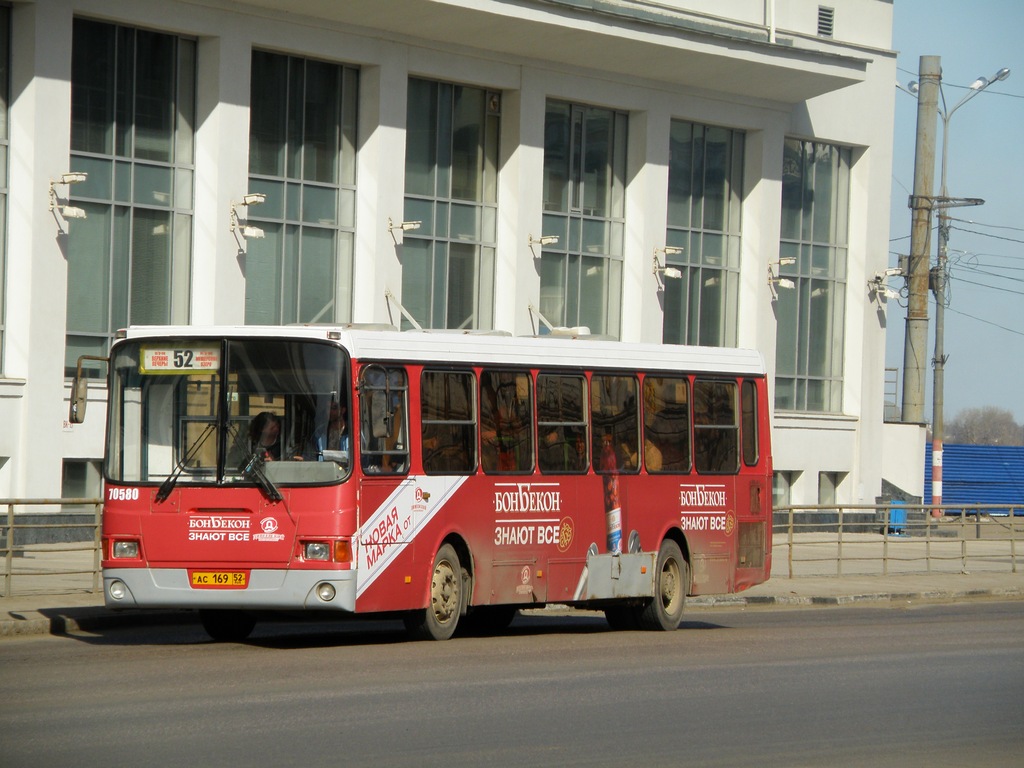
(125, 549)
(325, 591)
(316, 550)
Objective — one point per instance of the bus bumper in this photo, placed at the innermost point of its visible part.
(266, 590)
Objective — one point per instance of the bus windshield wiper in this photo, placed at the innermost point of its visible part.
(168, 485)
(254, 468)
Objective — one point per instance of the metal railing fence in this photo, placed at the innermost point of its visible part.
(827, 540)
(898, 538)
(74, 532)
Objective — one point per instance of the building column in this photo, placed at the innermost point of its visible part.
(33, 402)
(222, 141)
(378, 253)
(643, 300)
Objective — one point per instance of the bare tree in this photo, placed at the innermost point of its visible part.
(988, 425)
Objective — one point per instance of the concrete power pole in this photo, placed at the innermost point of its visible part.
(916, 341)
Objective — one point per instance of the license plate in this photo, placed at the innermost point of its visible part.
(219, 579)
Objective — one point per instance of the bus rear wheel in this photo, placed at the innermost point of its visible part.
(227, 626)
(671, 583)
(440, 618)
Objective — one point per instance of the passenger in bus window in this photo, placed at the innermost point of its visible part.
(505, 437)
(265, 436)
(331, 440)
(563, 449)
(652, 456)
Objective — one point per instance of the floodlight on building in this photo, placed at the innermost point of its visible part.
(663, 270)
(402, 226)
(245, 230)
(66, 179)
(775, 281)
(542, 241)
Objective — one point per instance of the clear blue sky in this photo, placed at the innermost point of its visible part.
(984, 319)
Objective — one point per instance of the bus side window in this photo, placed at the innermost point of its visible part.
(506, 420)
(613, 414)
(715, 427)
(749, 423)
(448, 422)
(666, 424)
(561, 423)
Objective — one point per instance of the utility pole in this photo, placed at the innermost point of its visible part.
(916, 340)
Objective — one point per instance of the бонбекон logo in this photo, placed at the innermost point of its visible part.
(527, 497)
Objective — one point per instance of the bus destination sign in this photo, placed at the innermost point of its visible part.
(180, 360)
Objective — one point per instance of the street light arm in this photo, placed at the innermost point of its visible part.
(979, 85)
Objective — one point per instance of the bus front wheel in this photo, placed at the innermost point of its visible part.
(671, 583)
(439, 619)
(227, 626)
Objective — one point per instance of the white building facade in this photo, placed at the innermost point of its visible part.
(655, 171)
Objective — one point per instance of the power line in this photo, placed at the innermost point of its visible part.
(982, 224)
(987, 322)
(976, 267)
(992, 287)
(996, 275)
(987, 234)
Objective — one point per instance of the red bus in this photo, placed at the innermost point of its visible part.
(451, 478)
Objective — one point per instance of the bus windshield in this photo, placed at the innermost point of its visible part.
(235, 411)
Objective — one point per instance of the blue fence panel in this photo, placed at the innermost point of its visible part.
(978, 474)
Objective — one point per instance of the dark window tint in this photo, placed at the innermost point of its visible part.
(613, 413)
(666, 424)
(562, 423)
(448, 412)
(715, 427)
(506, 419)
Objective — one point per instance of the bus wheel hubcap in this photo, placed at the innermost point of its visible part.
(670, 585)
(444, 592)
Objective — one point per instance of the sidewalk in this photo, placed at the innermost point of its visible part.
(44, 603)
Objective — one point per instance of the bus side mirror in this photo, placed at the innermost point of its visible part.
(80, 389)
(79, 397)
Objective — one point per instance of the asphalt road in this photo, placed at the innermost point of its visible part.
(935, 685)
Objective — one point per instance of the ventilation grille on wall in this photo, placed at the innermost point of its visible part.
(826, 20)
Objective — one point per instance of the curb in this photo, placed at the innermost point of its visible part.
(64, 621)
(739, 601)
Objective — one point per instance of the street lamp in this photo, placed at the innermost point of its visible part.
(942, 203)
